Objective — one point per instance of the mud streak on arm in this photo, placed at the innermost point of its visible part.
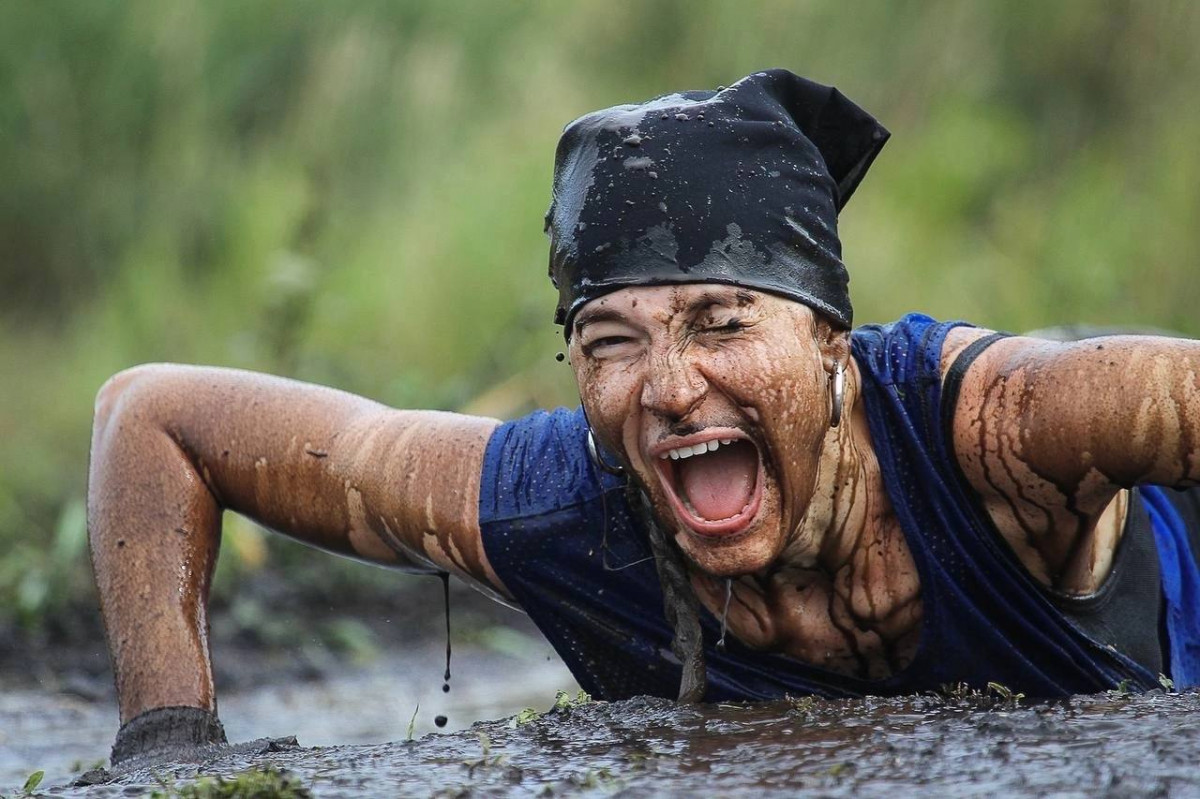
(174, 446)
(1049, 433)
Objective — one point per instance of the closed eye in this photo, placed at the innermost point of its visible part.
(609, 340)
(605, 342)
(734, 325)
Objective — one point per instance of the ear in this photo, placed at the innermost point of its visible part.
(833, 342)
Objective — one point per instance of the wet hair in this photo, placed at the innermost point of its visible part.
(680, 605)
(740, 186)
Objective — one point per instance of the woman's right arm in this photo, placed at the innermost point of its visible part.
(173, 446)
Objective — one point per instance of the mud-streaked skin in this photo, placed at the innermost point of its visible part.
(1048, 433)
(173, 445)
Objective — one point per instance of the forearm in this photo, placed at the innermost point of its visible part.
(154, 529)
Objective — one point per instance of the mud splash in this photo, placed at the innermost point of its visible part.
(1087, 746)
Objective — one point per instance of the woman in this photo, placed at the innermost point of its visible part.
(751, 500)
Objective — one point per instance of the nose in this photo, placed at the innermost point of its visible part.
(673, 386)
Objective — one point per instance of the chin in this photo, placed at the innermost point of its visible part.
(750, 552)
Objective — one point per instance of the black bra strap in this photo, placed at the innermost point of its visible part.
(954, 378)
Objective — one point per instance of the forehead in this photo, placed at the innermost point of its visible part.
(663, 303)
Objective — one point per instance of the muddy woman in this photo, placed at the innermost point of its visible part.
(753, 499)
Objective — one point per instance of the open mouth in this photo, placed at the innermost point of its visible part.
(712, 479)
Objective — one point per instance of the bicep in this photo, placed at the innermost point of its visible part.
(335, 470)
(1048, 433)
(1100, 413)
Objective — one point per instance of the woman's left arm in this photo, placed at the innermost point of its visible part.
(1049, 432)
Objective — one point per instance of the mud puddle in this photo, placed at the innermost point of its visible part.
(70, 729)
(1089, 746)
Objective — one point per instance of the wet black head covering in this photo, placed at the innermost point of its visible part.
(739, 186)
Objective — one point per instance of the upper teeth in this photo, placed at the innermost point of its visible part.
(697, 449)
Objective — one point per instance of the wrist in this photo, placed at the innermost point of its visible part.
(166, 728)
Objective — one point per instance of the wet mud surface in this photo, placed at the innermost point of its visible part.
(1089, 746)
(65, 728)
(351, 718)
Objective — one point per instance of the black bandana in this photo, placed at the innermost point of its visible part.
(739, 186)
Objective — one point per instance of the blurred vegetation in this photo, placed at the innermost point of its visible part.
(352, 193)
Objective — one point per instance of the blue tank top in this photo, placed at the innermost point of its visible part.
(561, 536)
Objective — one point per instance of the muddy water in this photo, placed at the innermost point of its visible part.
(68, 727)
(1089, 746)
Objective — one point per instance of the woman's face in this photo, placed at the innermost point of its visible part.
(717, 399)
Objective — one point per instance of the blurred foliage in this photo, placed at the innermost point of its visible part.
(352, 193)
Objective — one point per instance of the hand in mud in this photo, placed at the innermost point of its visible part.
(176, 735)
(167, 734)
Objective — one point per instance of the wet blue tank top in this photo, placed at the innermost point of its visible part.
(561, 536)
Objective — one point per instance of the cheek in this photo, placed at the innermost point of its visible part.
(785, 393)
(781, 381)
(605, 393)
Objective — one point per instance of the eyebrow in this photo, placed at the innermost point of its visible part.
(725, 299)
(586, 318)
(706, 299)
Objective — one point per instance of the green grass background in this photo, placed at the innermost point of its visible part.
(352, 193)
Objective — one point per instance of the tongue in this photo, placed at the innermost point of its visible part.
(719, 484)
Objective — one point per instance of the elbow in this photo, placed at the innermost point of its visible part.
(129, 394)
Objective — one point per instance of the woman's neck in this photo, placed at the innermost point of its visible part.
(848, 502)
(844, 592)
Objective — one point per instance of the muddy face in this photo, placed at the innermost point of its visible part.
(717, 399)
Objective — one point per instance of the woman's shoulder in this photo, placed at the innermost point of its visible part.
(539, 464)
(915, 346)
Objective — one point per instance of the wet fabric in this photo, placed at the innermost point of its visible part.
(562, 538)
(1175, 516)
(1120, 613)
(739, 186)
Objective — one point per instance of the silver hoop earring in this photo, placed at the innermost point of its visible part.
(594, 454)
(839, 394)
